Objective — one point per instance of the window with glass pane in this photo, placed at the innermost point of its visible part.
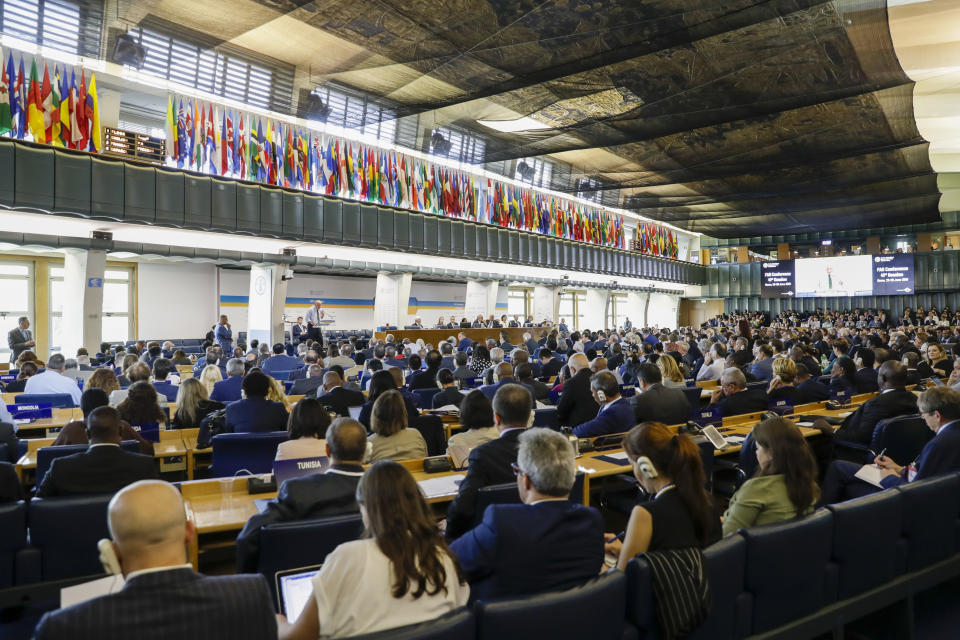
(16, 298)
(518, 302)
(73, 26)
(117, 302)
(533, 171)
(617, 311)
(571, 304)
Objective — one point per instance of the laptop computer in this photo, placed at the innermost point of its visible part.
(294, 587)
(355, 412)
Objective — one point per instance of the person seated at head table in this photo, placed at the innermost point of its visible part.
(547, 543)
(400, 573)
(308, 420)
(193, 405)
(104, 467)
(679, 514)
(785, 483)
(392, 439)
(75, 431)
(163, 596)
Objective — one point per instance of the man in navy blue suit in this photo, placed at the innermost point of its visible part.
(940, 409)
(504, 372)
(279, 361)
(228, 390)
(162, 367)
(163, 596)
(616, 413)
(548, 543)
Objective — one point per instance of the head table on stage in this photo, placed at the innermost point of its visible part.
(433, 336)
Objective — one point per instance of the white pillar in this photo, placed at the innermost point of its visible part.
(268, 293)
(546, 303)
(663, 310)
(481, 298)
(392, 299)
(83, 300)
(594, 316)
(637, 305)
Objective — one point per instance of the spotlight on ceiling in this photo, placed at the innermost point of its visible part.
(127, 51)
(526, 171)
(439, 145)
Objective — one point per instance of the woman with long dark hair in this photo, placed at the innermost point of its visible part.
(140, 406)
(679, 514)
(843, 376)
(401, 572)
(785, 484)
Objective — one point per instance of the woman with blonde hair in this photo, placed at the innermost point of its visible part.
(193, 404)
(210, 376)
(671, 372)
(278, 394)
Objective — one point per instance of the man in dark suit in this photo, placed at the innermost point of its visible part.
(866, 375)
(615, 415)
(893, 400)
(299, 331)
(103, 468)
(309, 358)
(657, 403)
(279, 361)
(330, 493)
(549, 366)
(228, 390)
(20, 338)
(548, 543)
(490, 462)
(576, 404)
(310, 384)
(809, 389)
(333, 396)
(505, 343)
(447, 360)
(940, 409)
(162, 367)
(163, 596)
(427, 379)
(515, 323)
(504, 373)
(733, 398)
(540, 391)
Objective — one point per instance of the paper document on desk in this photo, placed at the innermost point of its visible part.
(735, 439)
(450, 409)
(871, 474)
(89, 590)
(844, 414)
(805, 424)
(541, 405)
(622, 455)
(442, 485)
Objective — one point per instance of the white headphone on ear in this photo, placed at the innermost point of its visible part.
(646, 467)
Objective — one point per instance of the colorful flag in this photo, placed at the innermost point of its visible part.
(170, 132)
(51, 106)
(93, 114)
(35, 107)
(67, 104)
(182, 138)
(21, 91)
(6, 80)
(211, 141)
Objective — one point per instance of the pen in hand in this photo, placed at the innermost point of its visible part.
(879, 455)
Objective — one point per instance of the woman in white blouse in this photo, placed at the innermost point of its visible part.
(307, 426)
(400, 573)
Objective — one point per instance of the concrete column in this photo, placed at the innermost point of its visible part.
(783, 251)
(873, 245)
(924, 240)
(83, 300)
(392, 299)
(743, 254)
(704, 256)
(546, 303)
(268, 295)
(594, 316)
(637, 303)
(481, 298)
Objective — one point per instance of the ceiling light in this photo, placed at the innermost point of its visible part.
(512, 126)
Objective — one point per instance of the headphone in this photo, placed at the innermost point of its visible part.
(646, 467)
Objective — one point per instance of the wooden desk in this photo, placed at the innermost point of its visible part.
(434, 336)
(46, 427)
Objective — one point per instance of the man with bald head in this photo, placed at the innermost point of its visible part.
(576, 404)
(335, 397)
(163, 596)
(892, 400)
(330, 493)
(308, 385)
(103, 468)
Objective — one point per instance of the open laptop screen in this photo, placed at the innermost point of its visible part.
(294, 587)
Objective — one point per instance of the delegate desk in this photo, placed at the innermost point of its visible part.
(434, 336)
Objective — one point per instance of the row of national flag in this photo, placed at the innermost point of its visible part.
(59, 110)
(202, 137)
(656, 240)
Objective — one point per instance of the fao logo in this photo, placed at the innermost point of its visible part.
(260, 285)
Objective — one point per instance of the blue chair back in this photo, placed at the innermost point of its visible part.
(929, 519)
(425, 396)
(251, 451)
(459, 624)
(280, 375)
(58, 400)
(13, 538)
(288, 545)
(46, 455)
(69, 551)
(693, 396)
(903, 437)
(545, 418)
(731, 605)
(595, 610)
(866, 541)
(812, 577)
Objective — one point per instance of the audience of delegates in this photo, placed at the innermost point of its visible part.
(334, 396)
(782, 384)
(577, 404)
(53, 380)
(279, 361)
(224, 389)
(27, 370)
(616, 415)
(476, 422)
(308, 421)
(657, 403)
(253, 413)
(380, 383)
(137, 372)
(162, 368)
(103, 468)
(940, 409)
(426, 379)
(866, 374)
(672, 376)
(193, 405)
(490, 463)
(141, 406)
(400, 573)
(75, 431)
(893, 400)
(309, 384)
(809, 389)
(210, 375)
(785, 484)
(163, 596)
(547, 543)
(105, 379)
(679, 513)
(392, 439)
(330, 493)
(449, 394)
(734, 398)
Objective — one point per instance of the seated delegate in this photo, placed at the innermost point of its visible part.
(392, 439)
(251, 414)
